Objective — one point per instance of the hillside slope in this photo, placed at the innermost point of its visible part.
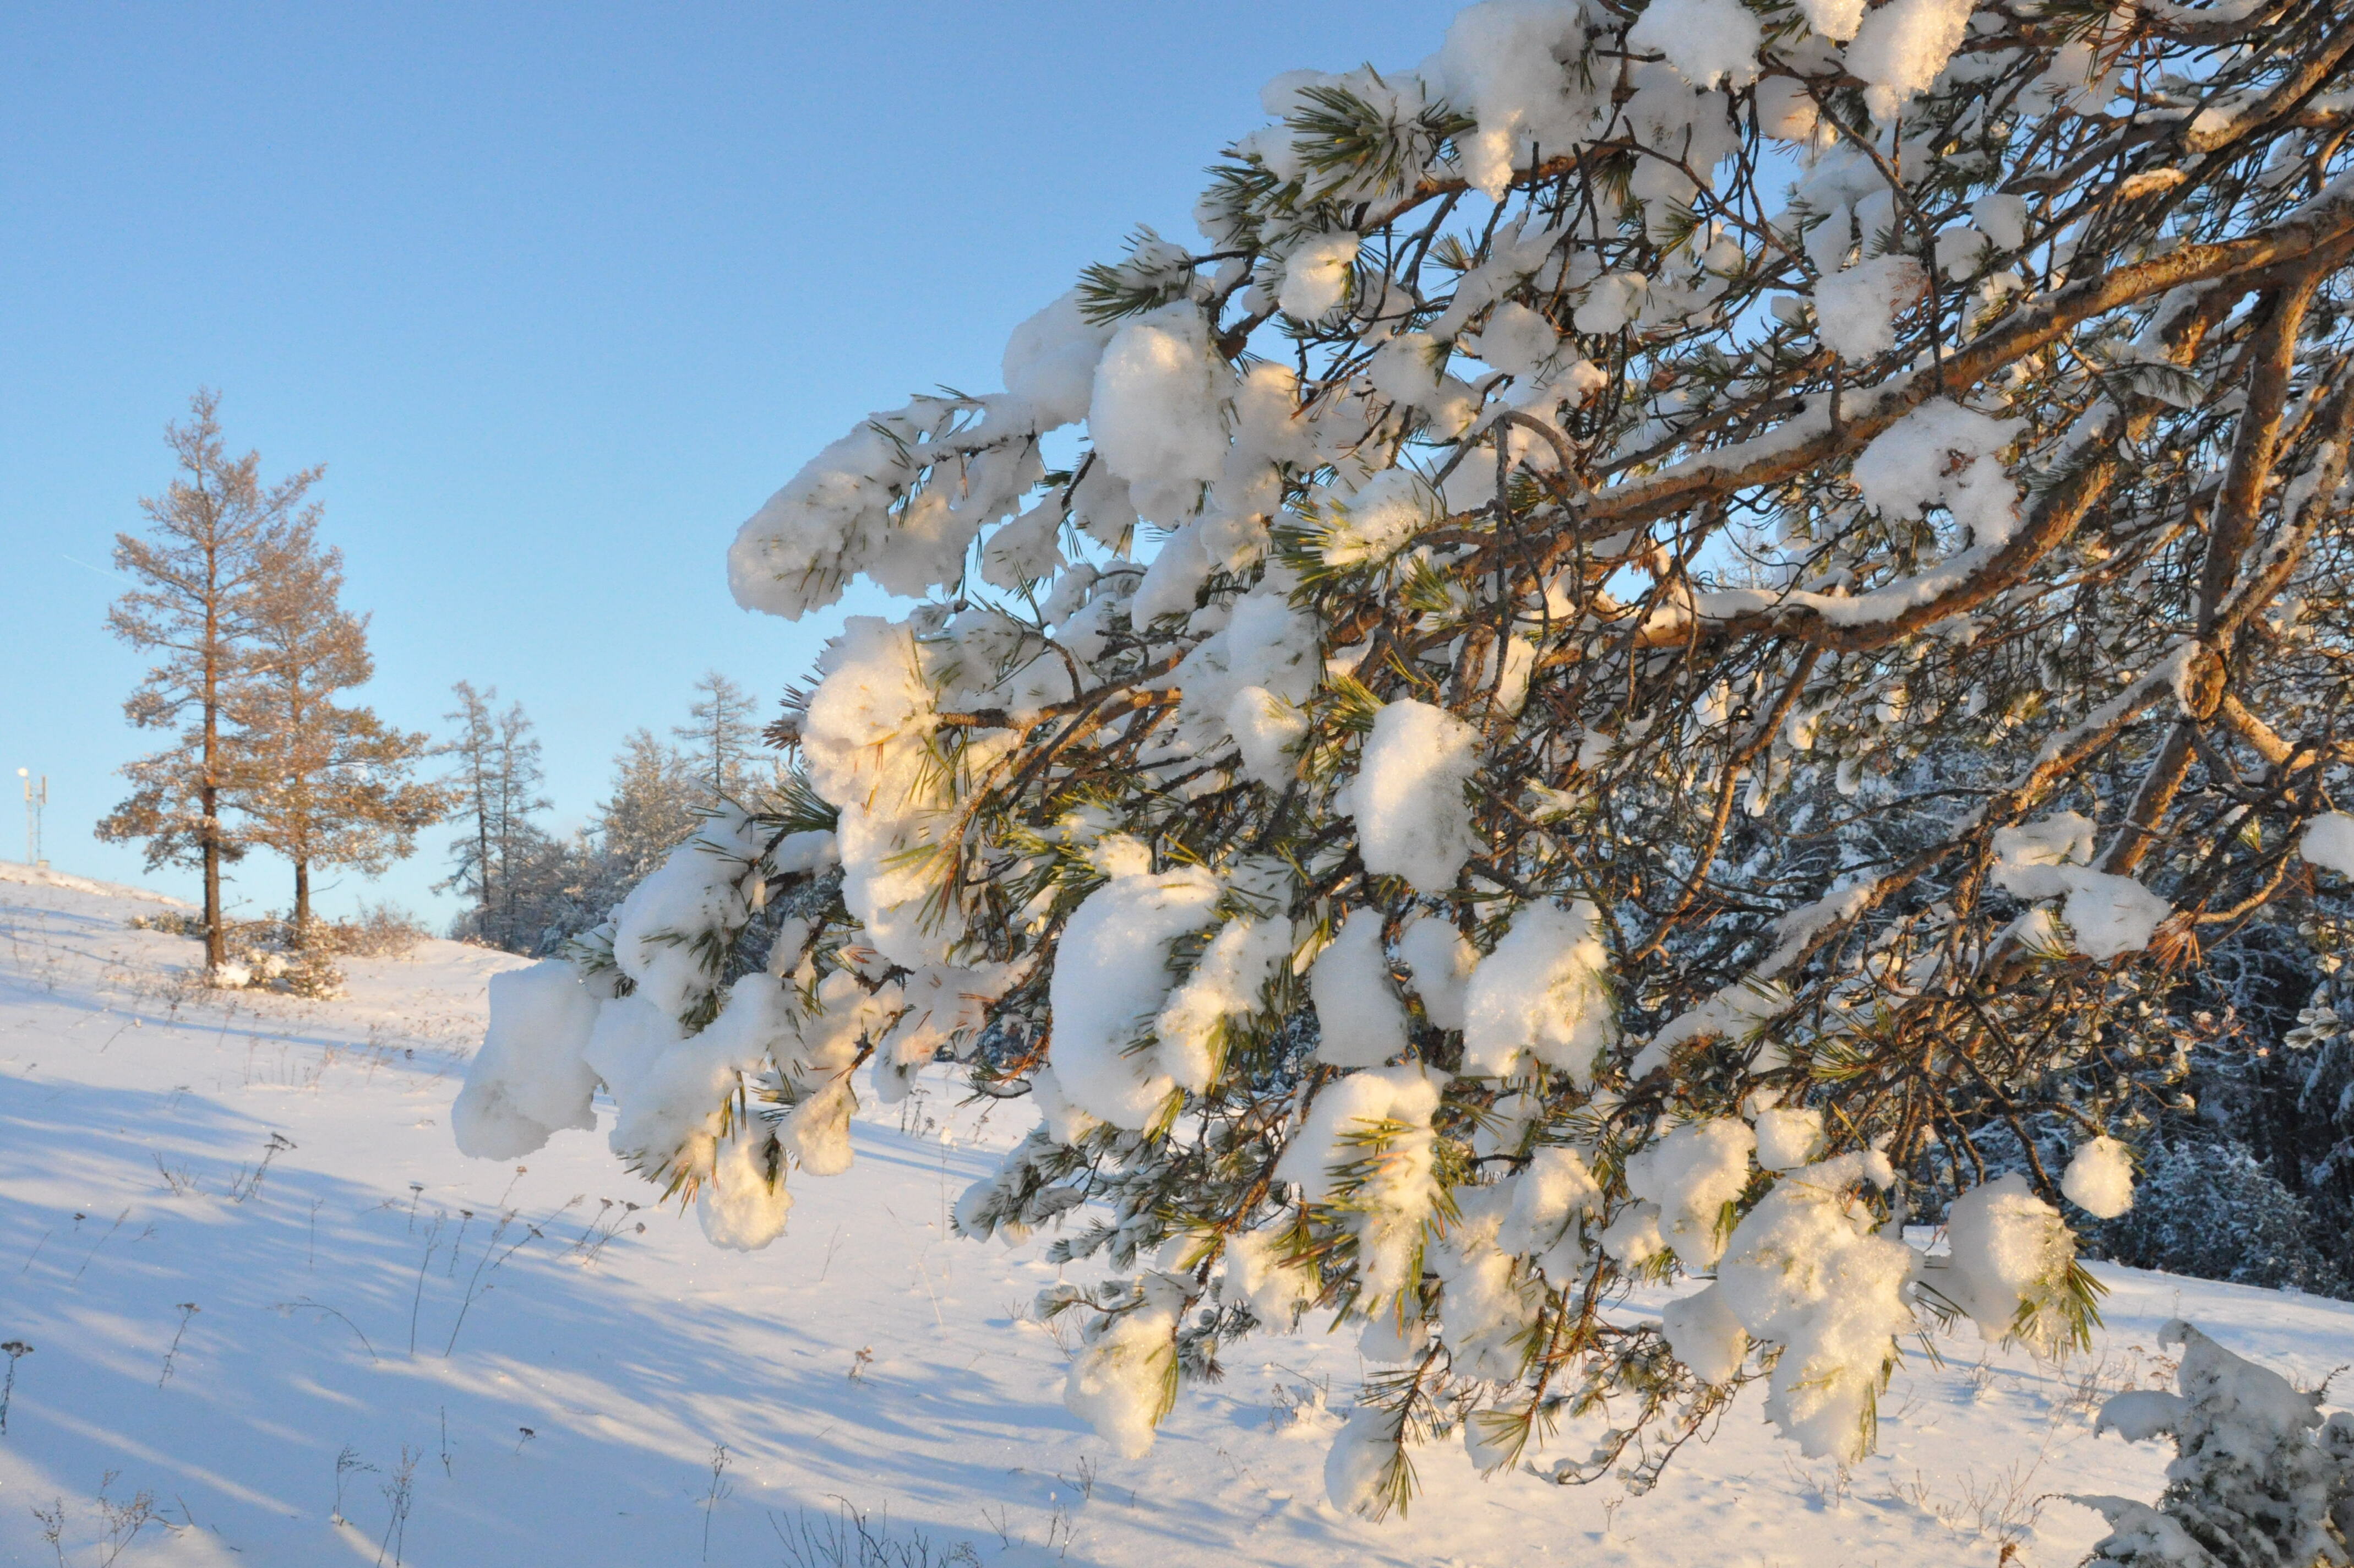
(361, 1344)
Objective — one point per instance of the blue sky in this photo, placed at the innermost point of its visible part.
(559, 293)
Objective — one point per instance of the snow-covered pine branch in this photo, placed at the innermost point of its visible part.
(2259, 1474)
(1643, 664)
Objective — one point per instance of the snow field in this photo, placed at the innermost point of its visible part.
(869, 1358)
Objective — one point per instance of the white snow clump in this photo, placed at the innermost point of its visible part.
(1542, 994)
(2328, 843)
(1788, 1137)
(1226, 983)
(1807, 1270)
(1552, 1201)
(1158, 412)
(689, 892)
(1124, 1379)
(1834, 19)
(1391, 508)
(1408, 798)
(744, 1203)
(2107, 916)
(1277, 1289)
(1316, 275)
(1856, 309)
(1900, 49)
(529, 1082)
(2100, 1178)
(1360, 1020)
(866, 742)
(1378, 1120)
(1705, 41)
(1442, 964)
(1941, 454)
(1110, 982)
(1517, 340)
(1050, 362)
(1501, 64)
(1689, 1176)
(1705, 1334)
(2009, 1262)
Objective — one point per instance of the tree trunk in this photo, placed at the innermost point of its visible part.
(301, 903)
(482, 847)
(215, 939)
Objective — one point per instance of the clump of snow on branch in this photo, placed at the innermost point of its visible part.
(1807, 1270)
(1858, 305)
(1542, 994)
(1050, 362)
(1110, 980)
(1157, 414)
(1365, 1153)
(1707, 41)
(2107, 914)
(1687, 1182)
(1361, 1020)
(1316, 275)
(1500, 63)
(1941, 454)
(1124, 1378)
(1901, 47)
(1408, 796)
(2328, 843)
(2100, 1178)
(2007, 1263)
(1788, 1137)
(528, 1080)
(1373, 524)
(1440, 964)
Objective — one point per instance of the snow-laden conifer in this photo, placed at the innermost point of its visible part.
(2258, 1476)
(1650, 655)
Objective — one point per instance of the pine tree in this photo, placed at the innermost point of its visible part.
(1739, 594)
(521, 843)
(720, 736)
(549, 890)
(322, 783)
(2259, 1476)
(652, 809)
(497, 786)
(476, 749)
(194, 606)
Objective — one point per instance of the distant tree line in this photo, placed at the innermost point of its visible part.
(531, 891)
(239, 605)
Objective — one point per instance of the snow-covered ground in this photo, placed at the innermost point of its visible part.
(277, 1348)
